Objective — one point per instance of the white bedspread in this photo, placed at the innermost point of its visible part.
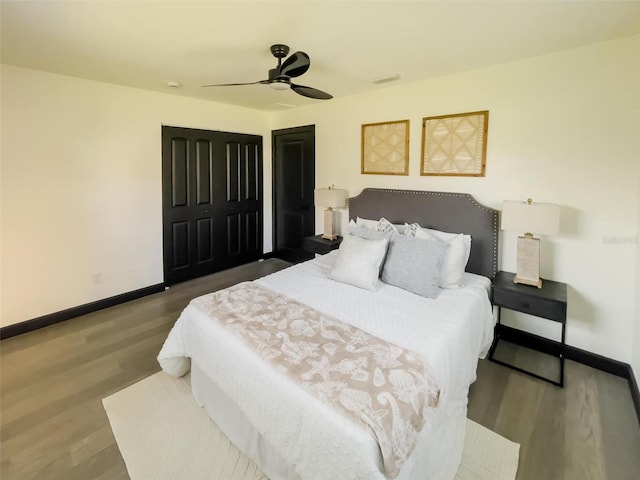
(450, 332)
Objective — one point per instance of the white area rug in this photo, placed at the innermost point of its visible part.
(163, 434)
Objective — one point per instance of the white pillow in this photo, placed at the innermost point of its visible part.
(363, 222)
(358, 261)
(446, 237)
(442, 236)
(455, 259)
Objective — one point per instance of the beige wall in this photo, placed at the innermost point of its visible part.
(635, 346)
(562, 129)
(81, 186)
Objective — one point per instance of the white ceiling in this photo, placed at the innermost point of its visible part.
(147, 43)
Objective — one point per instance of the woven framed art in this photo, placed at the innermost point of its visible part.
(385, 148)
(455, 145)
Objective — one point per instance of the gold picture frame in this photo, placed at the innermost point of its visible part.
(455, 145)
(385, 148)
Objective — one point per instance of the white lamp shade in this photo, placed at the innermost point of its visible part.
(535, 218)
(330, 197)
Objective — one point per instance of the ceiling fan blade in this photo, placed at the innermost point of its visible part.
(310, 92)
(297, 64)
(235, 84)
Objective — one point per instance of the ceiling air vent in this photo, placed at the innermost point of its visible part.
(385, 78)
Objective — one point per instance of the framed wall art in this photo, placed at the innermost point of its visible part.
(455, 145)
(385, 148)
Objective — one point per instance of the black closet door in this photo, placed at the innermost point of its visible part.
(212, 201)
(241, 208)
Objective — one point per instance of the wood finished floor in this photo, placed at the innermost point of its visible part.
(52, 381)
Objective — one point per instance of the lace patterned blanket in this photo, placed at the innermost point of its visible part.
(387, 387)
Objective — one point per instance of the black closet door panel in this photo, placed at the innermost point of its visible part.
(252, 167)
(252, 227)
(234, 235)
(204, 240)
(179, 172)
(181, 245)
(204, 172)
(253, 200)
(234, 171)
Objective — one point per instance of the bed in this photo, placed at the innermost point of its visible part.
(291, 434)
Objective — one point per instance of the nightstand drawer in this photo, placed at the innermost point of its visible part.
(527, 304)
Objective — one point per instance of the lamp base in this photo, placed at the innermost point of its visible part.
(329, 232)
(528, 264)
(524, 281)
(329, 237)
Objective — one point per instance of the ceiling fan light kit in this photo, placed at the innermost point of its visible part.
(280, 84)
(280, 77)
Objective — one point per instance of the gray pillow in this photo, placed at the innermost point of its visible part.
(414, 264)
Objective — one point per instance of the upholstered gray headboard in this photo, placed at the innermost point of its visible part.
(449, 212)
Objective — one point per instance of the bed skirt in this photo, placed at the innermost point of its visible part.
(436, 457)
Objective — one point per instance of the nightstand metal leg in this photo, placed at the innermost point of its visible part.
(496, 336)
(559, 355)
(562, 344)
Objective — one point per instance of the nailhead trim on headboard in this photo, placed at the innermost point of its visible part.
(465, 196)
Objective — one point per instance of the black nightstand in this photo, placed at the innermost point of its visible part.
(317, 244)
(549, 302)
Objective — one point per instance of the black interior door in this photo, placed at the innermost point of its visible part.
(211, 201)
(242, 204)
(293, 185)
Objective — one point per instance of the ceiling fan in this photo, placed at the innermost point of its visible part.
(280, 76)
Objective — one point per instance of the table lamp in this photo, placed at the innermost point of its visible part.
(530, 217)
(330, 198)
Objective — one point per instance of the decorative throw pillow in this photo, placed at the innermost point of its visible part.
(367, 233)
(358, 261)
(455, 259)
(414, 264)
(411, 229)
(402, 230)
(386, 226)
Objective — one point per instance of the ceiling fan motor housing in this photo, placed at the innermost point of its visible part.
(279, 51)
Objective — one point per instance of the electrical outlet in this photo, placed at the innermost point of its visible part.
(96, 278)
